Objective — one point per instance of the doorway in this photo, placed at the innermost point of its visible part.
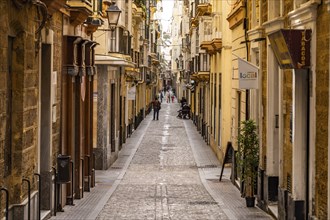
(300, 137)
(112, 117)
(45, 128)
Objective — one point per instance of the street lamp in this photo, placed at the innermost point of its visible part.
(181, 62)
(113, 13)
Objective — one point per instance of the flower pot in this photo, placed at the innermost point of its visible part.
(250, 201)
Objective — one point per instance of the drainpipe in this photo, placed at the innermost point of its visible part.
(247, 92)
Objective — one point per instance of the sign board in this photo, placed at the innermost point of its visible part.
(229, 155)
(291, 48)
(247, 74)
(131, 93)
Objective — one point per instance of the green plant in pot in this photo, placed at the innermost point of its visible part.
(248, 160)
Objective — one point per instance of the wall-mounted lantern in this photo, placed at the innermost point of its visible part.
(113, 13)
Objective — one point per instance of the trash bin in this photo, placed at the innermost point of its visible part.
(63, 168)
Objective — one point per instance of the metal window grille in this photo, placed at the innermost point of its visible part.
(289, 183)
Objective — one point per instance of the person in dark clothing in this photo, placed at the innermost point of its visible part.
(161, 96)
(156, 106)
(183, 101)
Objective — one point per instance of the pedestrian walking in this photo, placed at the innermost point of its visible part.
(161, 96)
(167, 95)
(156, 106)
(170, 93)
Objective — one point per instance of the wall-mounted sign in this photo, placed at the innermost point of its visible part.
(131, 93)
(291, 48)
(247, 74)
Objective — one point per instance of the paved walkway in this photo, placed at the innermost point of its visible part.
(164, 171)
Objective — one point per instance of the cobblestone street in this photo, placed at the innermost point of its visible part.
(165, 171)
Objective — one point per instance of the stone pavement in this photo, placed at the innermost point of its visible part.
(164, 171)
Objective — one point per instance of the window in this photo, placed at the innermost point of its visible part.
(98, 6)
(208, 30)
(204, 62)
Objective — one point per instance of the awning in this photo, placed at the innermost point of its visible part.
(291, 47)
(112, 60)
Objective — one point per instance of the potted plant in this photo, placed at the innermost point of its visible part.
(248, 160)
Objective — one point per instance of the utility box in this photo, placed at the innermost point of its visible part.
(63, 168)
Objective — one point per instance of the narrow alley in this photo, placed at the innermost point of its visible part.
(164, 171)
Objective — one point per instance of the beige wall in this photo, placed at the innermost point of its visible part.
(226, 76)
(238, 49)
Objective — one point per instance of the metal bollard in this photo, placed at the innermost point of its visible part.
(39, 189)
(89, 172)
(55, 191)
(29, 196)
(82, 177)
(7, 201)
(93, 170)
(72, 183)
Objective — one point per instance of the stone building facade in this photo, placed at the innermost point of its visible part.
(298, 150)
(29, 103)
(34, 110)
(290, 104)
(47, 101)
(320, 176)
(291, 108)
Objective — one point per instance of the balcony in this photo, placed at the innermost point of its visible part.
(204, 9)
(206, 45)
(54, 5)
(200, 76)
(138, 13)
(205, 37)
(213, 46)
(93, 23)
(155, 62)
(236, 16)
(217, 44)
(132, 74)
(80, 10)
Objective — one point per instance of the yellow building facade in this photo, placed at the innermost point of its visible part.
(288, 101)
